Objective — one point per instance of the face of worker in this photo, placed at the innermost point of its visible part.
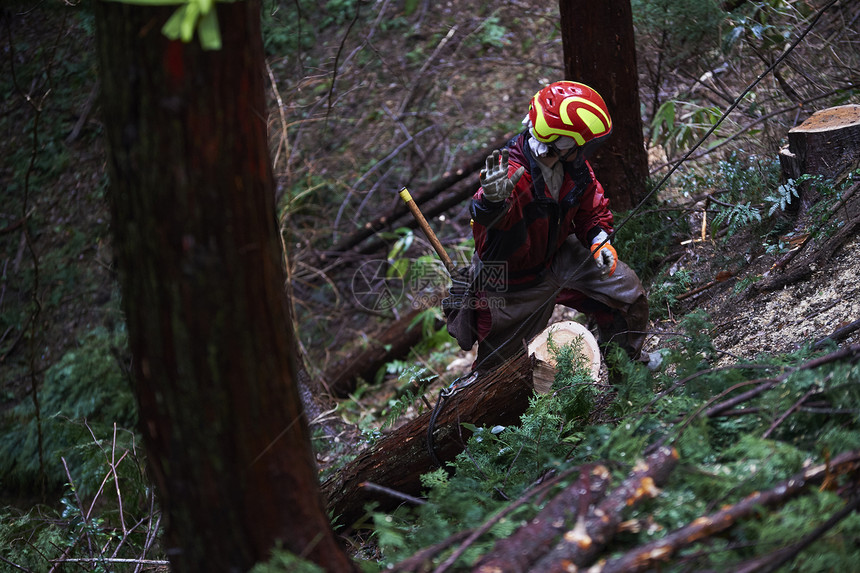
(555, 155)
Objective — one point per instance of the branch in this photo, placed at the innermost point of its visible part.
(533, 540)
(651, 555)
(580, 546)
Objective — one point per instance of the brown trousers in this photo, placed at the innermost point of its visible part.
(618, 304)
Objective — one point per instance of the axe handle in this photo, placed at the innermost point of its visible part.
(431, 236)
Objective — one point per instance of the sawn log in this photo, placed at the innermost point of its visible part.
(397, 461)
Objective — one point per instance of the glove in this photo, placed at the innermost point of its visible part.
(494, 177)
(458, 292)
(605, 256)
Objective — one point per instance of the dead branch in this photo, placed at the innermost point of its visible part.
(580, 546)
(533, 540)
(650, 555)
(840, 333)
(422, 195)
(720, 278)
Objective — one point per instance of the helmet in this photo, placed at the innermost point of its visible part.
(573, 110)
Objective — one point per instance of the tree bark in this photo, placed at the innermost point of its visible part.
(398, 460)
(532, 541)
(827, 143)
(201, 271)
(600, 51)
(425, 194)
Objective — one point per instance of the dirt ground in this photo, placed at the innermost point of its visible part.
(785, 319)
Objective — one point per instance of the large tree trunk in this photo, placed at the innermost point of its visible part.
(397, 461)
(600, 51)
(192, 202)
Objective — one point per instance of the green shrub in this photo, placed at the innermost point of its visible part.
(85, 393)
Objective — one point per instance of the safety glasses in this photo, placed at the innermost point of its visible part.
(563, 156)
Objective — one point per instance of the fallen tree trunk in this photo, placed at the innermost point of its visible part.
(532, 541)
(391, 343)
(398, 460)
(650, 555)
(580, 546)
(471, 165)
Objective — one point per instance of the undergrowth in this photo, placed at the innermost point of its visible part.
(723, 458)
(84, 395)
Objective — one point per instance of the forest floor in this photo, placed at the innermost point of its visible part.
(470, 84)
(405, 109)
(64, 188)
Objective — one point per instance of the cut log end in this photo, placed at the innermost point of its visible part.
(830, 119)
(562, 334)
(826, 144)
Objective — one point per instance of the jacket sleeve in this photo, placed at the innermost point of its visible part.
(593, 214)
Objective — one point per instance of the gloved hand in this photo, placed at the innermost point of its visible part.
(605, 256)
(494, 177)
(458, 292)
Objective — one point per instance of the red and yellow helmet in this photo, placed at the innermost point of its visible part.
(569, 109)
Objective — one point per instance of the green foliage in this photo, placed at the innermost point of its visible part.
(682, 29)
(498, 464)
(780, 200)
(288, 28)
(283, 561)
(85, 391)
(117, 519)
(765, 25)
(492, 33)
(647, 237)
(664, 290)
(679, 125)
(413, 380)
(738, 216)
(835, 551)
(748, 193)
(723, 458)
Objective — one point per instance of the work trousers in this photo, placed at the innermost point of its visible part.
(507, 321)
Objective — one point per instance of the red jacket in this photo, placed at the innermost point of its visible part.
(517, 239)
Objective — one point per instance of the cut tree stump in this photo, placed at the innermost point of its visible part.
(562, 334)
(396, 462)
(826, 144)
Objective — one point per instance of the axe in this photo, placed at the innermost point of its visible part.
(431, 236)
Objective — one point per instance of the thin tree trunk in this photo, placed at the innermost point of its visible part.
(600, 51)
(201, 271)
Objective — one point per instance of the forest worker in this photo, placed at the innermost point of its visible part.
(541, 225)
